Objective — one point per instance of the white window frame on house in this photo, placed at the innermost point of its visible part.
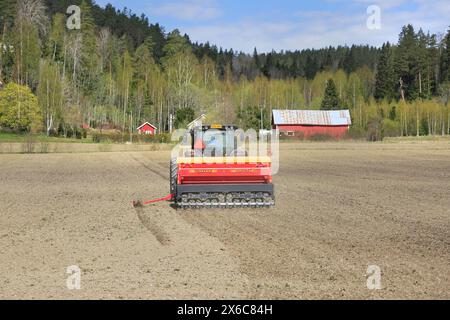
(290, 133)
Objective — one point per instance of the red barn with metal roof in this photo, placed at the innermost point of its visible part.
(147, 128)
(308, 123)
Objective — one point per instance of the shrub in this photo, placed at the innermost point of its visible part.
(78, 133)
(158, 138)
(60, 130)
(375, 129)
(9, 130)
(321, 137)
(19, 108)
(98, 137)
(356, 133)
(391, 128)
(53, 133)
(69, 133)
(118, 137)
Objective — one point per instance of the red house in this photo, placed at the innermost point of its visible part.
(304, 124)
(147, 128)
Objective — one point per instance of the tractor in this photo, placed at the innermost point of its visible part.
(214, 172)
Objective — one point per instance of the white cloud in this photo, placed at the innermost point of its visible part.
(318, 29)
(383, 4)
(188, 10)
(245, 35)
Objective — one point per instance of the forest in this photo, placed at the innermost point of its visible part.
(118, 70)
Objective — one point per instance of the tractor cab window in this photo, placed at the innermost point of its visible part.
(215, 142)
(212, 142)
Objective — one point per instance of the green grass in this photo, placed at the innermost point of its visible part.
(13, 137)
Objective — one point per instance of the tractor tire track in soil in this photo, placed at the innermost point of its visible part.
(152, 221)
(152, 225)
(81, 214)
(159, 172)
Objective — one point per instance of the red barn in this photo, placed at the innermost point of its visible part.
(307, 123)
(147, 128)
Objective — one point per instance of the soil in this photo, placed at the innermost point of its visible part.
(341, 207)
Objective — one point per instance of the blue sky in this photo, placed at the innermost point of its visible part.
(290, 24)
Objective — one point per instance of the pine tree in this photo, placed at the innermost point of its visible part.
(328, 63)
(311, 68)
(256, 59)
(266, 70)
(406, 64)
(432, 79)
(331, 99)
(445, 64)
(422, 67)
(385, 82)
(7, 14)
(349, 63)
(88, 55)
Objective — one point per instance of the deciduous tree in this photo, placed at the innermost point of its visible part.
(19, 108)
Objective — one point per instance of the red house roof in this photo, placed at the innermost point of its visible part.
(146, 124)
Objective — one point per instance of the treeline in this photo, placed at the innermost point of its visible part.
(120, 70)
(134, 30)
